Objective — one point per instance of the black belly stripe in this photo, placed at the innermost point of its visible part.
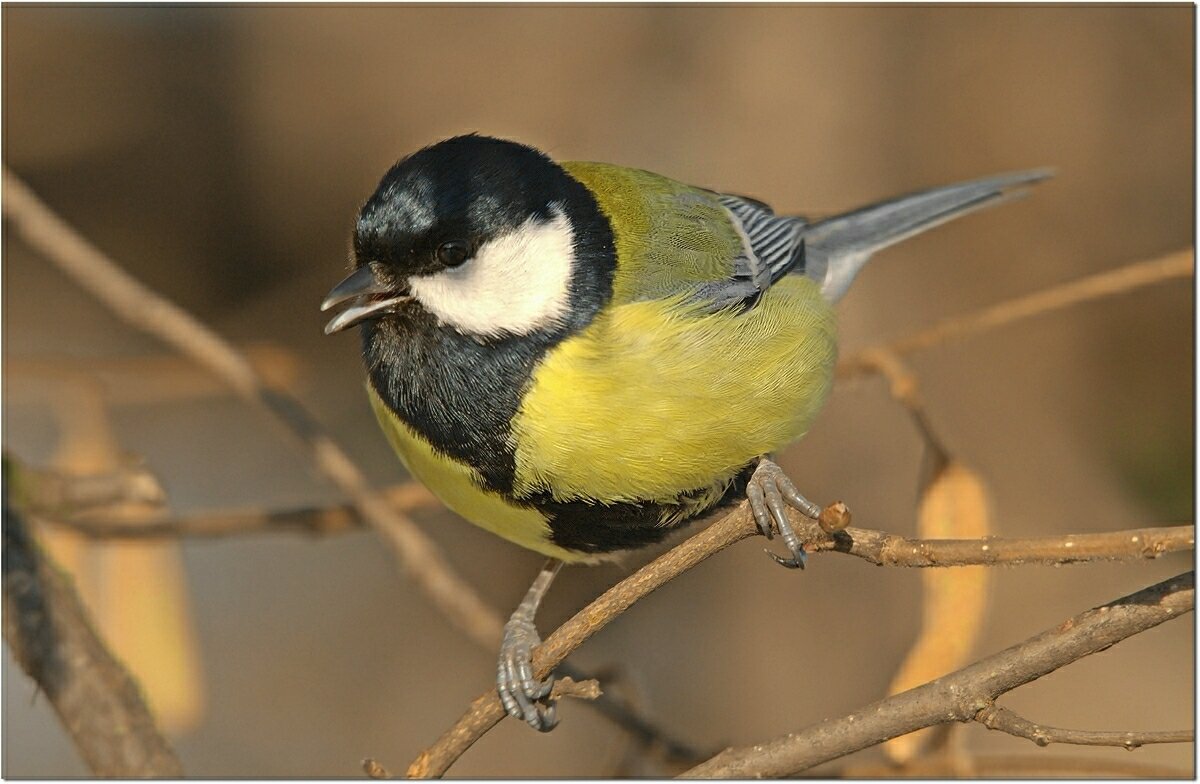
(596, 528)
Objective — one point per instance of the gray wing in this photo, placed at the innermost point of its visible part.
(773, 246)
(833, 250)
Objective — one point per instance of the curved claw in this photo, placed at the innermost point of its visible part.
(797, 561)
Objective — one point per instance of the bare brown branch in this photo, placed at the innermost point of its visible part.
(1174, 266)
(995, 717)
(877, 547)
(52, 640)
(885, 549)
(961, 695)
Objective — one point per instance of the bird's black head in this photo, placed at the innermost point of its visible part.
(490, 236)
(460, 192)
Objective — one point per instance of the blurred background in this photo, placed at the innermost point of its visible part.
(220, 155)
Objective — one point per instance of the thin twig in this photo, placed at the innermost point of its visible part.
(884, 549)
(995, 717)
(1180, 264)
(141, 380)
(51, 638)
(961, 695)
(419, 556)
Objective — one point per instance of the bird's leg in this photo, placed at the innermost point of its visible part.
(520, 693)
(770, 492)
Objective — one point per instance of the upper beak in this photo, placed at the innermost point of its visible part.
(363, 285)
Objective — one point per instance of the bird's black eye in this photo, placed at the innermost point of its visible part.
(453, 253)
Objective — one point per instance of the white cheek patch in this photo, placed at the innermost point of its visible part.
(513, 285)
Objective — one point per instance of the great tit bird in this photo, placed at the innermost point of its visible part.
(582, 357)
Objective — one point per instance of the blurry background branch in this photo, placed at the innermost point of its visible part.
(145, 379)
(52, 639)
(53, 493)
(1174, 266)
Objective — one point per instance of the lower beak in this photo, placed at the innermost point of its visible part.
(371, 299)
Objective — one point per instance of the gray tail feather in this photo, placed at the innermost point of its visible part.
(838, 247)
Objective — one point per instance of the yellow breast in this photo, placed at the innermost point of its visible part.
(652, 400)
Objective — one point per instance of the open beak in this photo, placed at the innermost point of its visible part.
(371, 299)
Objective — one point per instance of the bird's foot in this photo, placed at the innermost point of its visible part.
(523, 696)
(770, 492)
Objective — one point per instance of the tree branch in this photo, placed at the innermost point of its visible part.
(962, 695)
(50, 636)
(145, 379)
(995, 717)
(883, 549)
(874, 546)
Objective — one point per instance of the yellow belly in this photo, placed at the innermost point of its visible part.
(458, 487)
(651, 401)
